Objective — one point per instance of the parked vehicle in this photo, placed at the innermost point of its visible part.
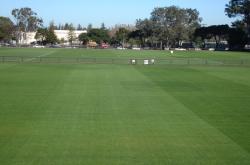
(104, 46)
(92, 44)
(120, 48)
(56, 46)
(135, 48)
(38, 46)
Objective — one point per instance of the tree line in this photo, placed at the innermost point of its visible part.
(167, 27)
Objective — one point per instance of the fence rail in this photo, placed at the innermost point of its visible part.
(131, 61)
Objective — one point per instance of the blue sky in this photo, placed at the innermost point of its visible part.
(113, 12)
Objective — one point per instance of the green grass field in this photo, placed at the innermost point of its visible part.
(97, 114)
(34, 52)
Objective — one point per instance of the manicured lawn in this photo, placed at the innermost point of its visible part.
(111, 53)
(74, 114)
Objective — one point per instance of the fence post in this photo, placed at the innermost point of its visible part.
(40, 59)
(188, 61)
(206, 61)
(170, 61)
(242, 62)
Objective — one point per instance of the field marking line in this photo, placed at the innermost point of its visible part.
(46, 54)
(43, 55)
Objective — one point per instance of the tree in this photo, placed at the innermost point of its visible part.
(83, 37)
(66, 26)
(90, 26)
(202, 33)
(98, 35)
(103, 26)
(71, 34)
(6, 29)
(25, 20)
(79, 27)
(41, 35)
(47, 35)
(237, 39)
(217, 32)
(145, 30)
(240, 8)
(173, 24)
(51, 37)
(137, 36)
(122, 35)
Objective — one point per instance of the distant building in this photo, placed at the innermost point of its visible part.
(63, 34)
(29, 37)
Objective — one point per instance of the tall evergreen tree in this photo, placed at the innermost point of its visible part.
(241, 9)
(51, 37)
(71, 34)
